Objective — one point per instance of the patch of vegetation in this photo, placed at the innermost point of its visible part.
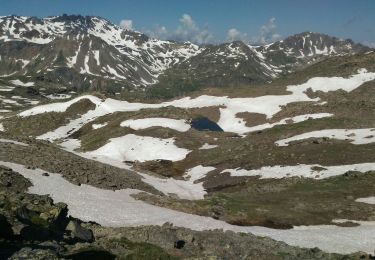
(283, 203)
(37, 124)
(36, 220)
(171, 88)
(142, 250)
(297, 201)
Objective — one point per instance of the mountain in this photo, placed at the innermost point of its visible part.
(76, 50)
(305, 48)
(268, 150)
(289, 160)
(83, 53)
(233, 64)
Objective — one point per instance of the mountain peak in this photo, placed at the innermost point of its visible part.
(95, 47)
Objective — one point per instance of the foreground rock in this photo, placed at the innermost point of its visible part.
(33, 227)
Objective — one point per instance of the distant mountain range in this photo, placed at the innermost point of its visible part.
(90, 53)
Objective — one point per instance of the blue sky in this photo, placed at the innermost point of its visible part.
(210, 21)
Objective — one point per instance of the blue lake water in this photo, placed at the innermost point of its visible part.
(205, 124)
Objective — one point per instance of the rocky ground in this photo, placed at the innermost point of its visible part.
(34, 227)
(76, 169)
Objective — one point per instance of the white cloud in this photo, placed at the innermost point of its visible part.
(127, 24)
(267, 33)
(187, 21)
(235, 35)
(187, 30)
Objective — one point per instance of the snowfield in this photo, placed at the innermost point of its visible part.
(140, 148)
(57, 107)
(118, 208)
(268, 105)
(12, 142)
(198, 172)
(315, 171)
(368, 200)
(137, 124)
(355, 136)
(296, 119)
(183, 189)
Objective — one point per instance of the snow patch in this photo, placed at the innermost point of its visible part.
(268, 105)
(97, 126)
(118, 209)
(315, 171)
(12, 142)
(140, 148)
(355, 136)
(368, 200)
(207, 146)
(22, 84)
(198, 172)
(137, 124)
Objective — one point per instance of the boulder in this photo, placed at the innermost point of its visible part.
(80, 233)
(26, 215)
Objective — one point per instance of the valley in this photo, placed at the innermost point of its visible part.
(176, 150)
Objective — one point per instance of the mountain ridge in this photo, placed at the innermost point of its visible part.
(90, 53)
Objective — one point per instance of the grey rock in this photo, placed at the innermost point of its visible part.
(80, 233)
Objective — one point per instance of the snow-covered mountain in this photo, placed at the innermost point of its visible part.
(88, 45)
(305, 48)
(91, 53)
(237, 63)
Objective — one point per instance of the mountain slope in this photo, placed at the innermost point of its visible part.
(91, 46)
(305, 48)
(90, 53)
(235, 64)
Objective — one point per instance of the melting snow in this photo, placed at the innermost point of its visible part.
(136, 124)
(268, 105)
(198, 172)
(355, 136)
(118, 208)
(12, 142)
(22, 84)
(369, 200)
(140, 148)
(97, 126)
(207, 146)
(6, 88)
(96, 56)
(315, 171)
